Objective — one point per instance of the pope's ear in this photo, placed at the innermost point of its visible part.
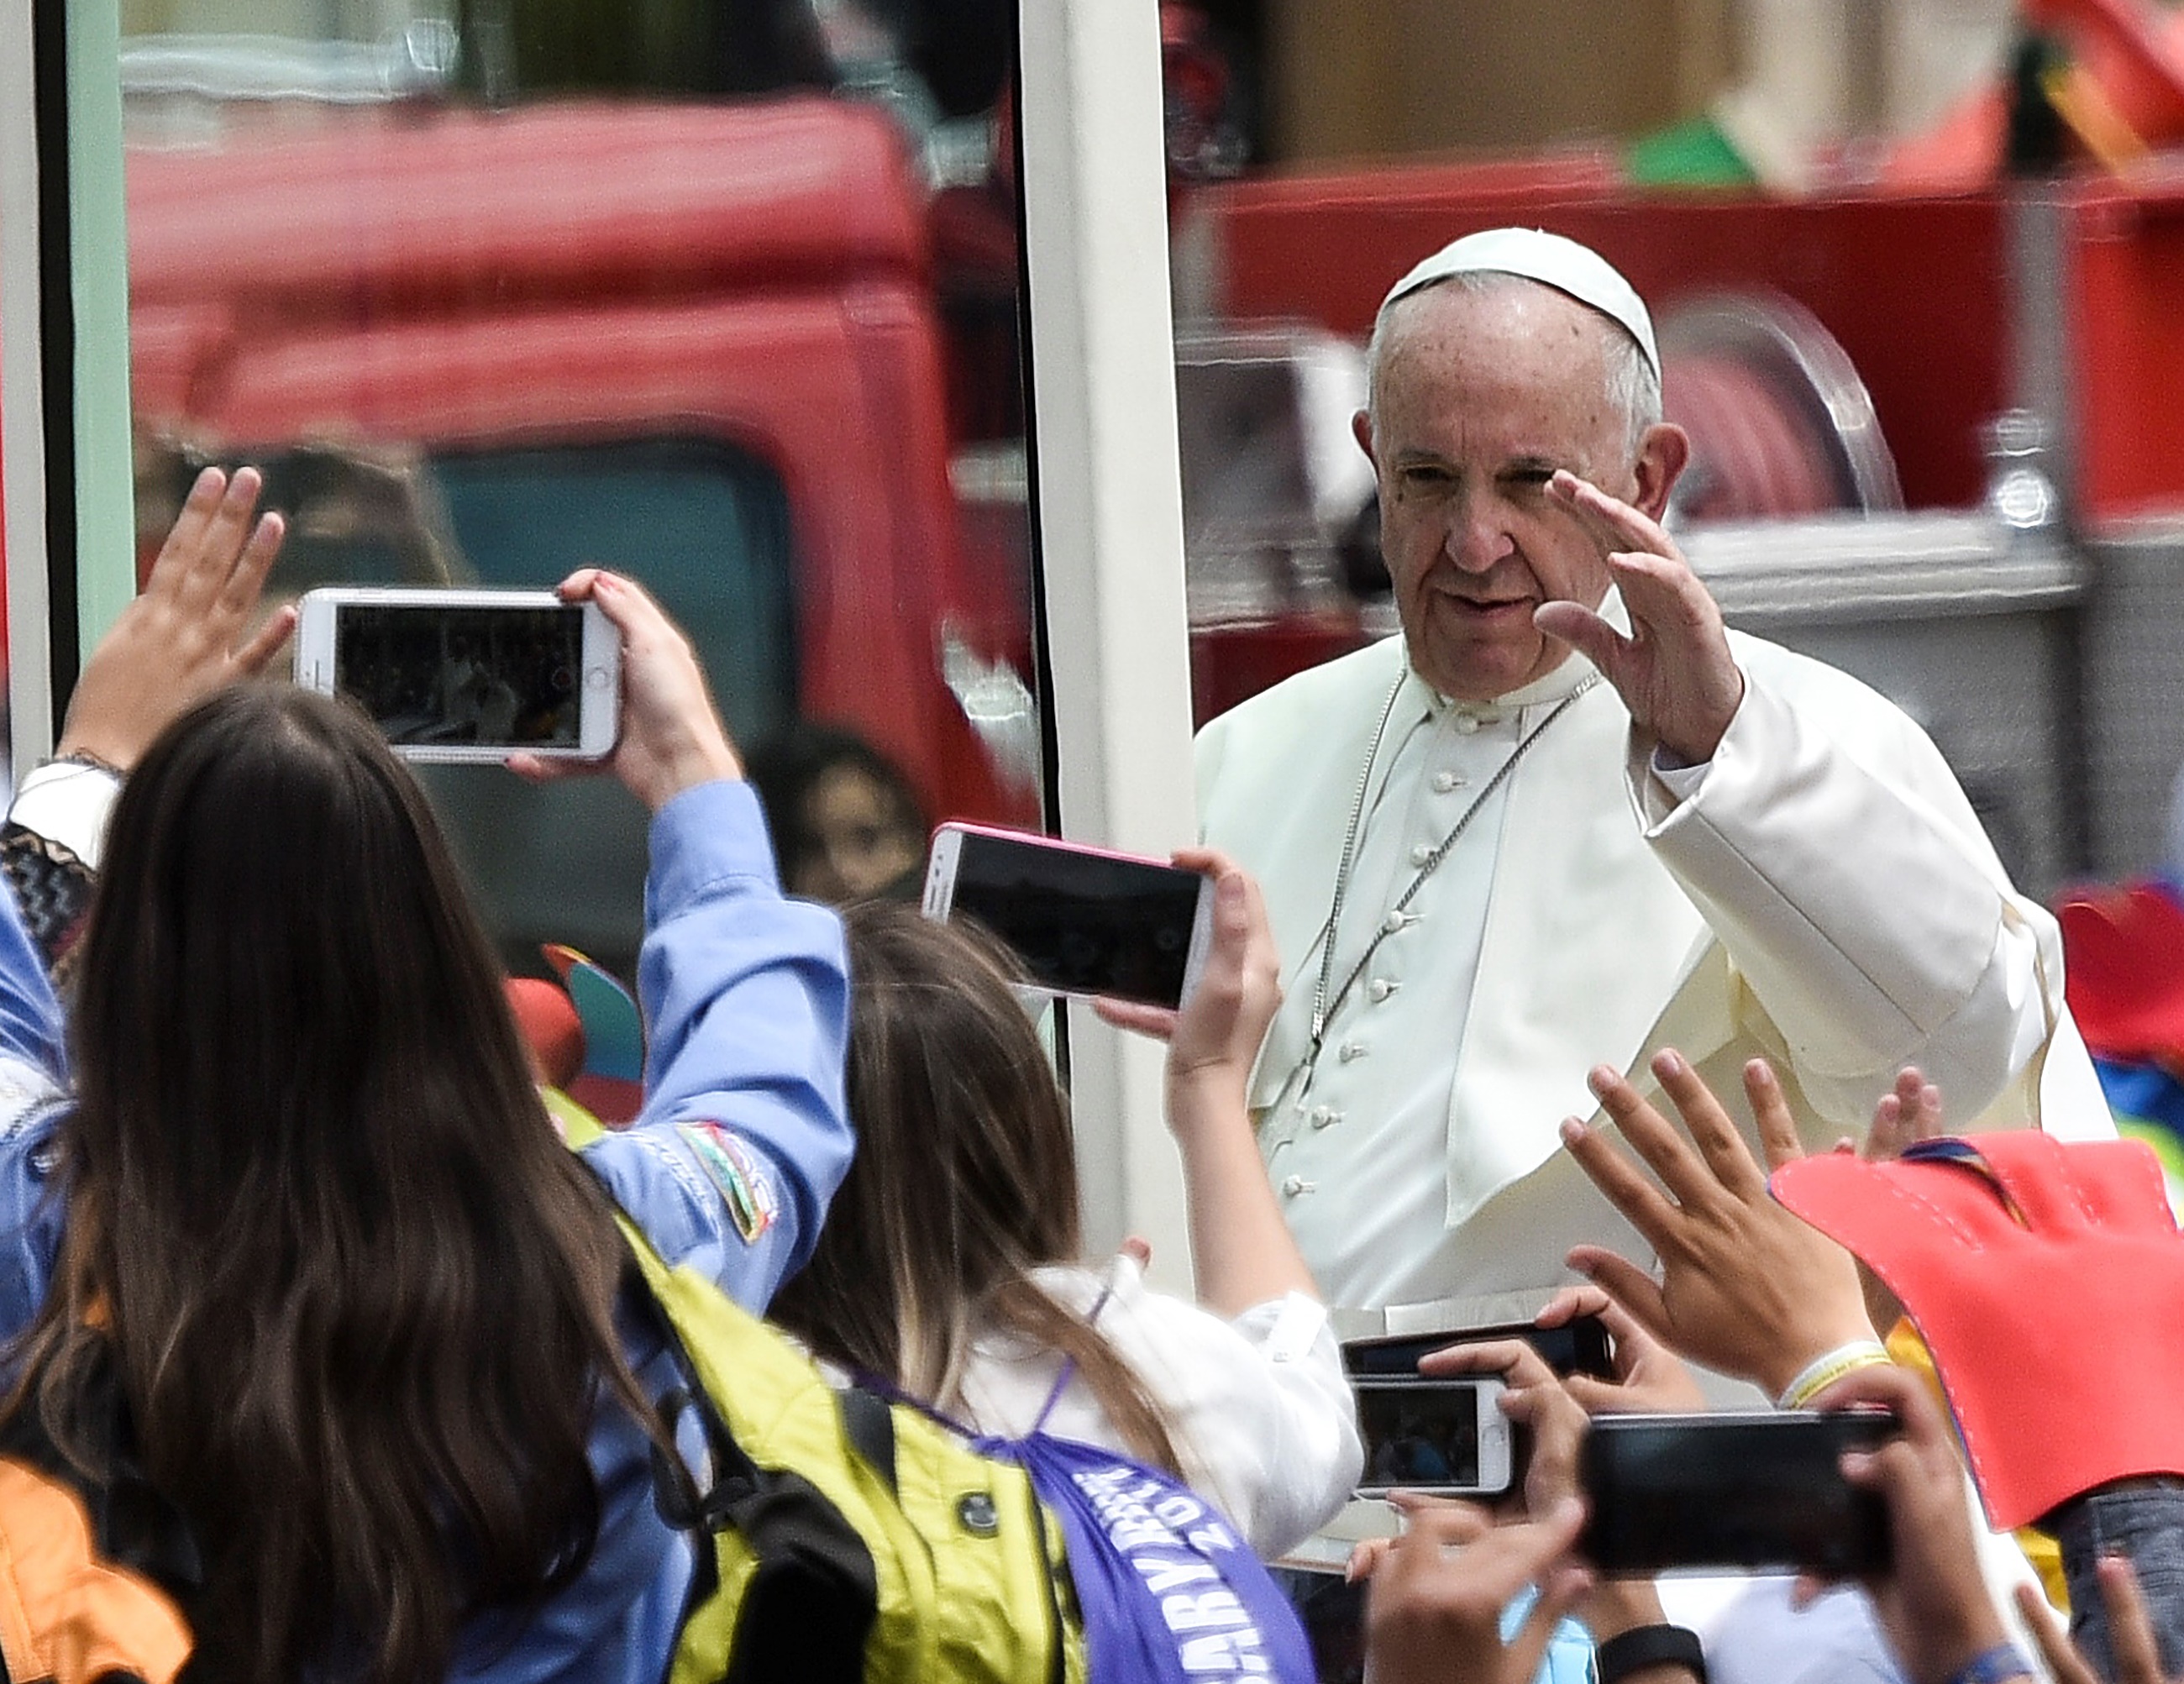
(1663, 453)
(1361, 429)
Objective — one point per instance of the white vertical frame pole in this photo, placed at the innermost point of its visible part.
(22, 392)
(98, 278)
(1110, 531)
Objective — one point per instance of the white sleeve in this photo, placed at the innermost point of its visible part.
(67, 801)
(1257, 1408)
(1861, 902)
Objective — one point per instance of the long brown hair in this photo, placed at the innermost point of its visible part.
(358, 1297)
(965, 1179)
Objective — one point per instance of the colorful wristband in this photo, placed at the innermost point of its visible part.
(1645, 1646)
(1996, 1665)
(1825, 1370)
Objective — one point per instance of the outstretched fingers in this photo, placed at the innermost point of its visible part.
(1693, 1176)
(1643, 1204)
(1711, 1128)
(226, 558)
(253, 657)
(246, 577)
(1770, 1110)
(1609, 521)
(186, 539)
(1908, 1112)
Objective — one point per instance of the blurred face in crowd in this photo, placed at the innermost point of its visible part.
(863, 841)
(1479, 393)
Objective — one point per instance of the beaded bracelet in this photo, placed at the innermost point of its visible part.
(1831, 1366)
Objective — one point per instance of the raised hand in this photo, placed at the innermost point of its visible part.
(1674, 671)
(1746, 1287)
(182, 639)
(1242, 1250)
(1217, 1032)
(1908, 1112)
(671, 734)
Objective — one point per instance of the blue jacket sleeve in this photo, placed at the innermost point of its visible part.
(744, 1136)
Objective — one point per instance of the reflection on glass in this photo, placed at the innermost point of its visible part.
(718, 293)
(474, 677)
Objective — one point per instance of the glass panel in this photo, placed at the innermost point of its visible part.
(718, 293)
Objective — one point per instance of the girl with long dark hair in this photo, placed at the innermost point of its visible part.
(306, 1216)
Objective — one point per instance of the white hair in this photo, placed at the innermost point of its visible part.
(1633, 387)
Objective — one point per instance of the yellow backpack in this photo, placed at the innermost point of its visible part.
(842, 1536)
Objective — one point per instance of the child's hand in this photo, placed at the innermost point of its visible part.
(1217, 1034)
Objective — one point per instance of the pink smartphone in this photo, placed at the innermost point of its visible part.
(1083, 921)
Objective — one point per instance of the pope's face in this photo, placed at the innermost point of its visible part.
(1479, 397)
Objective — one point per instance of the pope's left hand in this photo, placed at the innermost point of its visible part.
(1674, 672)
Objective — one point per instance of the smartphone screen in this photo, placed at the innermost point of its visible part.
(1579, 1346)
(1425, 1435)
(465, 676)
(1081, 923)
(1744, 1491)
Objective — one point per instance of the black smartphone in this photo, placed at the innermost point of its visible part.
(1083, 921)
(1579, 1346)
(1732, 1490)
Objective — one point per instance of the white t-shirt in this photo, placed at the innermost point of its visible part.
(1256, 1408)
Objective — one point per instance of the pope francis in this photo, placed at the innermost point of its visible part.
(1568, 817)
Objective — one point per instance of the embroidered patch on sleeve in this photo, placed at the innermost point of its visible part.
(736, 1170)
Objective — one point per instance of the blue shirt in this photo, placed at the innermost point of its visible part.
(742, 1140)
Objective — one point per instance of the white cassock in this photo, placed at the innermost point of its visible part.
(1820, 893)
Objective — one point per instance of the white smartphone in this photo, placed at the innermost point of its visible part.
(1083, 921)
(467, 675)
(1443, 1435)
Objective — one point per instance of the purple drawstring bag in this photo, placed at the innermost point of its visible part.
(1169, 1593)
(1169, 1590)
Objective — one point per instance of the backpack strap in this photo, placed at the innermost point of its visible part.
(869, 1421)
(811, 1598)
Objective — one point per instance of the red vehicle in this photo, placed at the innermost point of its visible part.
(710, 357)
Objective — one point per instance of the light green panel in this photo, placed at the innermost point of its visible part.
(105, 494)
